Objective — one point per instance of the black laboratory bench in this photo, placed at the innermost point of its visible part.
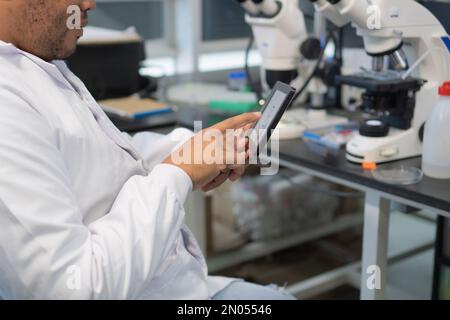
(432, 192)
(430, 195)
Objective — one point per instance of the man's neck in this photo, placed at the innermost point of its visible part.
(5, 35)
(8, 22)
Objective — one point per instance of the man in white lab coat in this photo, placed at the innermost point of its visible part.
(86, 212)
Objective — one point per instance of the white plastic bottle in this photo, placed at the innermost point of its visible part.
(436, 143)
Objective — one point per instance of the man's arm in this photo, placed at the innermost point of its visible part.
(44, 245)
(155, 147)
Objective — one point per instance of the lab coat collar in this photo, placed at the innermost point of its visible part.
(50, 68)
(59, 71)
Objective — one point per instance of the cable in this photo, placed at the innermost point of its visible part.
(307, 81)
(316, 67)
(419, 61)
(339, 54)
(247, 69)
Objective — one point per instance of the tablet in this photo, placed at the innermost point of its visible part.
(276, 104)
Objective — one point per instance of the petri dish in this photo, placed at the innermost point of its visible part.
(400, 175)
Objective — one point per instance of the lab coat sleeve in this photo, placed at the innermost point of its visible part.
(154, 147)
(46, 251)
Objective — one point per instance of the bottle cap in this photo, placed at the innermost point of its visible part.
(369, 165)
(444, 90)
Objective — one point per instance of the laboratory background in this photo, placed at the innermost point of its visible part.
(359, 207)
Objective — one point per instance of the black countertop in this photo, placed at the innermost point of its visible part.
(431, 192)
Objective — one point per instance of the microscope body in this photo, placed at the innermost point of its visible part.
(278, 39)
(396, 33)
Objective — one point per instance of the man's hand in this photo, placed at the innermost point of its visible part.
(217, 153)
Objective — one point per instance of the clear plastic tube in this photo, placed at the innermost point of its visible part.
(420, 60)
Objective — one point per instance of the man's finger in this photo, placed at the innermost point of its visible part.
(247, 128)
(234, 176)
(218, 181)
(237, 172)
(239, 121)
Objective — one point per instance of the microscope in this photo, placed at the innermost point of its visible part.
(280, 33)
(410, 53)
(279, 29)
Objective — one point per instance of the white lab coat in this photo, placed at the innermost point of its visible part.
(85, 212)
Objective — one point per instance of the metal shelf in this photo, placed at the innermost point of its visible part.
(258, 249)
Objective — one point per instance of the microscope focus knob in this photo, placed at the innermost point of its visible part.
(374, 128)
(311, 48)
